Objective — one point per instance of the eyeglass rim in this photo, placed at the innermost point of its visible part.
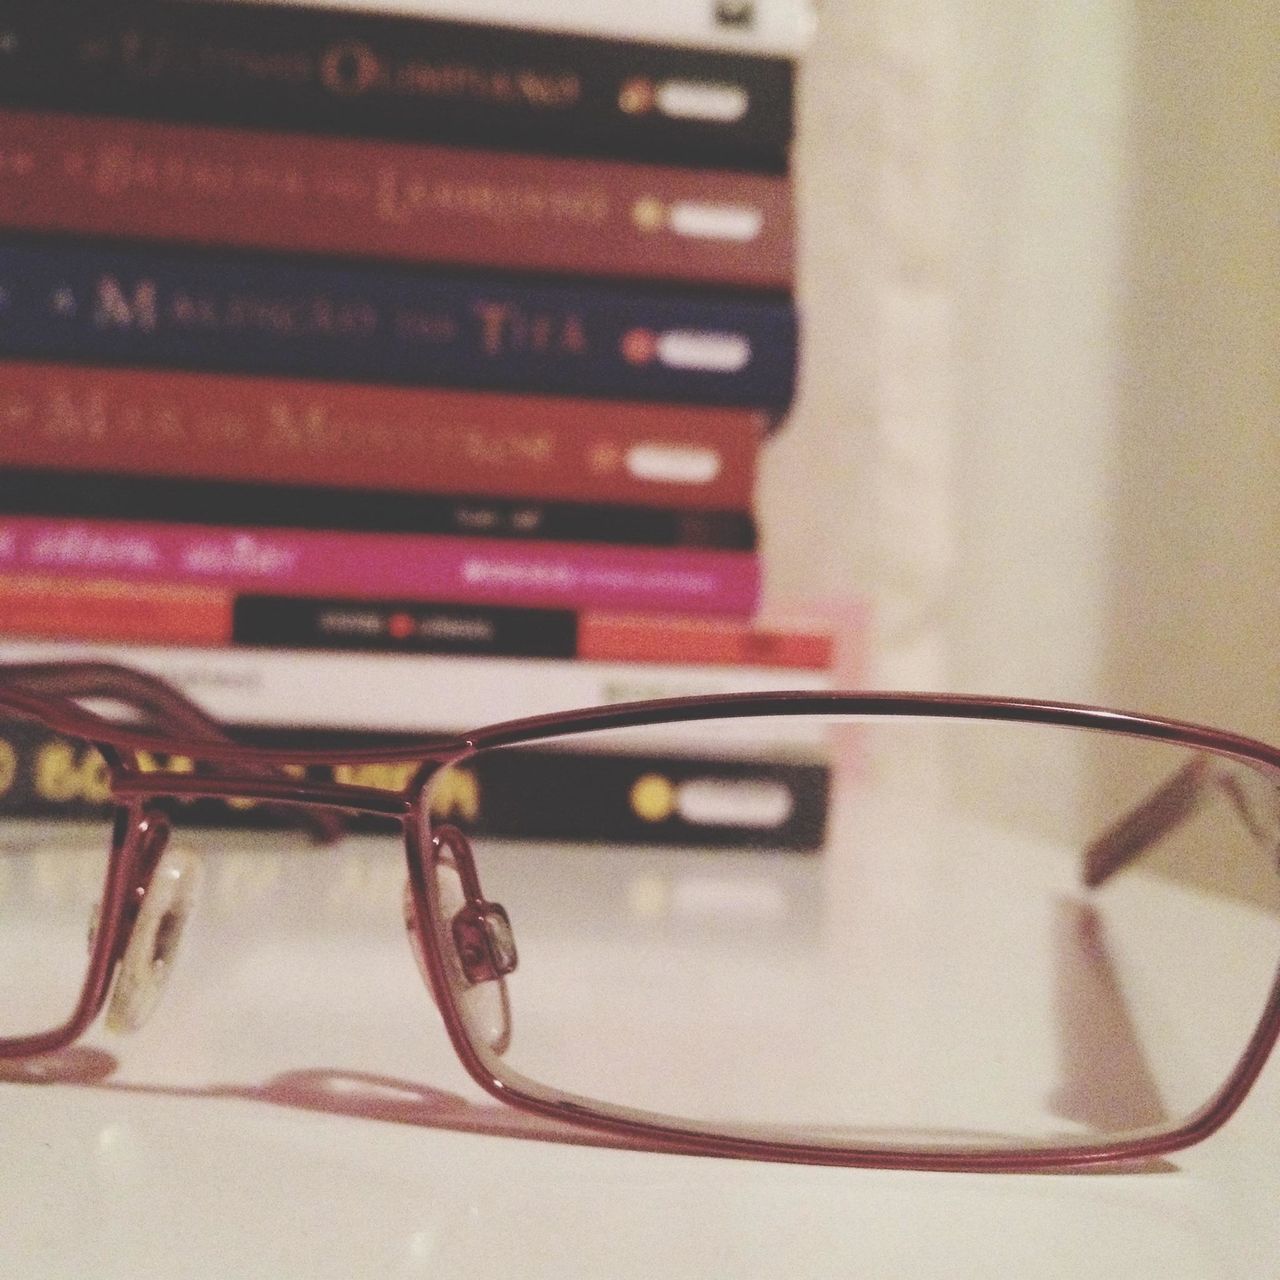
(668, 1135)
(66, 716)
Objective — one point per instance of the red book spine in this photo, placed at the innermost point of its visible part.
(407, 439)
(407, 202)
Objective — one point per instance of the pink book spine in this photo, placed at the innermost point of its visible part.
(383, 565)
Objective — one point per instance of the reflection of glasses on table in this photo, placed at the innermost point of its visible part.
(955, 999)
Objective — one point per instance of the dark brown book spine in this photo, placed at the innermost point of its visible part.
(407, 202)
(87, 495)
(335, 71)
(299, 432)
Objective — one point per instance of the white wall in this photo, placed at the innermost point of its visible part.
(1038, 417)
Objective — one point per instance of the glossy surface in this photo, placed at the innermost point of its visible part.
(919, 1067)
(293, 1109)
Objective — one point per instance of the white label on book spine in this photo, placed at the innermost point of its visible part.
(702, 350)
(702, 100)
(423, 693)
(697, 220)
(673, 463)
(716, 802)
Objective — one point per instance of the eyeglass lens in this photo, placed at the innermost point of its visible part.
(871, 932)
(56, 822)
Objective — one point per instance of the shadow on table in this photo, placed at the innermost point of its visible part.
(368, 1096)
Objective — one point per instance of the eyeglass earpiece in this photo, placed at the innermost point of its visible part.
(147, 961)
(476, 939)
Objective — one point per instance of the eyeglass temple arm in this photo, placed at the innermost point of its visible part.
(162, 707)
(1173, 802)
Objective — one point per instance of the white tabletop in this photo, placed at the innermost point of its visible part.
(118, 1181)
(282, 1115)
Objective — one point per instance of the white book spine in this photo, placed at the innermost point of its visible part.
(409, 693)
(771, 27)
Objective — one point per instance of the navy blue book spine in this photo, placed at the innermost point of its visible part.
(312, 319)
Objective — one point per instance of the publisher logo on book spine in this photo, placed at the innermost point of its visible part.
(637, 96)
(639, 346)
(694, 350)
(708, 101)
(401, 626)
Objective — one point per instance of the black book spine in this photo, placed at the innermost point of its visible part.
(182, 501)
(333, 71)
(284, 622)
(597, 798)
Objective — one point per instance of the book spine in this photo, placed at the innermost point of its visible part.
(107, 609)
(783, 27)
(407, 693)
(392, 325)
(399, 202)
(611, 637)
(396, 76)
(403, 627)
(278, 622)
(87, 496)
(307, 433)
(385, 565)
(650, 799)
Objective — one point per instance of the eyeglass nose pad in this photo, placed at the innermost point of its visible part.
(477, 941)
(168, 896)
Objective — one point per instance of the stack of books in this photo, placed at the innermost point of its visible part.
(379, 372)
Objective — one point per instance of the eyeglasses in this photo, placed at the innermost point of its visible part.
(879, 929)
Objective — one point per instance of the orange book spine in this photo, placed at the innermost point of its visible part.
(408, 439)
(404, 202)
(609, 637)
(94, 609)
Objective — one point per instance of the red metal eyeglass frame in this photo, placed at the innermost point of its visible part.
(170, 724)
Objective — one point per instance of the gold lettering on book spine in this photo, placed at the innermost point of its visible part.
(118, 168)
(377, 776)
(64, 775)
(229, 63)
(401, 197)
(116, 308)
(455, 793)
(8, 766)
(351, 69)
(506, 327)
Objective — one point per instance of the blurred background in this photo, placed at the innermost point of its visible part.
(1037, 285)
(1038, 395)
